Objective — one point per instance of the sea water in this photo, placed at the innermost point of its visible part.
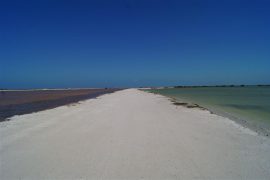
(250, 104)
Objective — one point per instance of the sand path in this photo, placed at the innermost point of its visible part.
(130, 134)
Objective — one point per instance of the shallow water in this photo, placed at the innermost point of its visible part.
(24, 102)
(250, 104)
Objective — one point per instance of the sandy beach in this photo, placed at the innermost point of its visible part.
(130, 134)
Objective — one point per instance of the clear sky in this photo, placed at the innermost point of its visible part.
(52, 43)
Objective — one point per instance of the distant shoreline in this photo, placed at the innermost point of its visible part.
(206, 86)
(259, 85)
(51, 89)
(141, 87)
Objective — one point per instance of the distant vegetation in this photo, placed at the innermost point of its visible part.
(260, 85)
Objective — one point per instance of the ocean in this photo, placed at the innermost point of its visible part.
(249, 105)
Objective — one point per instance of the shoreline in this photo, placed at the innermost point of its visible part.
(130, 134)
(25, 102)
(51, 89)
(241, 122)
(238, 120)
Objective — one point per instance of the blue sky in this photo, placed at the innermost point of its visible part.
(129, 43)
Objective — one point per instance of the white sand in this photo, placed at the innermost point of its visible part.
(130, 134)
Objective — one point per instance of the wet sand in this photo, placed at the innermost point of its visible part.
(130, 134)
(28, 101)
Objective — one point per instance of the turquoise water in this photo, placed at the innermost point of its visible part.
(249, 104)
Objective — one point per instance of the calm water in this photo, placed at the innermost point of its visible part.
(24, 102)
(250, 104)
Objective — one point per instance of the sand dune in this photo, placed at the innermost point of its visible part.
(130, 134)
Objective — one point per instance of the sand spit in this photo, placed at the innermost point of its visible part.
(130, 134)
